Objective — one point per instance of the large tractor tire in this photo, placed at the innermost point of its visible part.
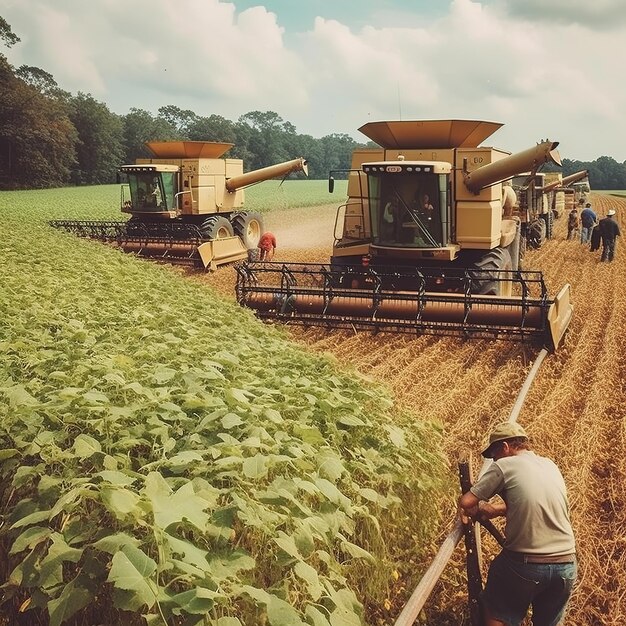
(488, 269)
(249, 227)
(216, 227)
(536, 233)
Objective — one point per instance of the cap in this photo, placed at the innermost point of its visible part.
(611, 212)
(505, 430)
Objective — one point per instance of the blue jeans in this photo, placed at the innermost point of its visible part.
(608, 249)
(585, 233)
(512, 587)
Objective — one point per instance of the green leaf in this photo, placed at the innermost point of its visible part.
(30, 538)
(71, 600)
(230, 420)
(163, 374)
(114, 543)
(116, 478)
(287, 543)
(344, 617)
(330, 465)
(121, 502)
(228, 621)
(95, 397)
(197, 601)
(309, 575)
(255, 467)
(238, 396)
(280, 613)
(8, 453)
(355, 551)
(33, 518)
(19, 397)
(86, 446)
(396, 435)
(170, 508)
(315, 616)
(350, 420)
(228, 565)
(131, 570)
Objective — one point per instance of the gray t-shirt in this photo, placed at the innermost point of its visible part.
(537, 518)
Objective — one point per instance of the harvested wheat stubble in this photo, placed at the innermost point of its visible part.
(575, 411)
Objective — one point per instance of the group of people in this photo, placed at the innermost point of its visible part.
(594, 232)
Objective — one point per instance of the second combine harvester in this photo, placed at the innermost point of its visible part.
(423, 243)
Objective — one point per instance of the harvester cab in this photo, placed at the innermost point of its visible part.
(186, 205)
(422, 243)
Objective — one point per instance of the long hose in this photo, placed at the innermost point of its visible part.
(419, 596)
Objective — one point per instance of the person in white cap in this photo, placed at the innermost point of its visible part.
(609, 231)
(537, 565)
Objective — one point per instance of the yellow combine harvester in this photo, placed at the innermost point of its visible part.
(185, 205)
(423, 244)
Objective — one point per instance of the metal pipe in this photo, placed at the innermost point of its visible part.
(419, 596)
(266, 173)
(431, 576)
(498, 171)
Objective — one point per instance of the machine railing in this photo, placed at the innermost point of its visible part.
(419, 301)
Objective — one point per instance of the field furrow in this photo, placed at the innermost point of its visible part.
(575, 410)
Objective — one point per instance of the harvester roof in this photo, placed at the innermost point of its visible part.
(438, 134)
(188, 149)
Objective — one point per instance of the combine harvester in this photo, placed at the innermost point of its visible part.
(185, 205)
(539, 203)
(422, 244)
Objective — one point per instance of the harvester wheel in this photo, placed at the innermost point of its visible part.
(249, 227)
(537, 233)
(216, 227)
(485, 281)
(549, 220)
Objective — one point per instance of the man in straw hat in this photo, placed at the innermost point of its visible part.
(537, 565)
(609, 230)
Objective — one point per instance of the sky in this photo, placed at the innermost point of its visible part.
(545, 69)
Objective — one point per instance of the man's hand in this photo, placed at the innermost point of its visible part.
(471, 508)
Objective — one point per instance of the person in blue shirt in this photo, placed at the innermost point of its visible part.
(588, 220)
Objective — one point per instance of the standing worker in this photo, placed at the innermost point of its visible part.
(609, 230)
(572, 223)
(267, 245)
(587, 221)
(537, 566)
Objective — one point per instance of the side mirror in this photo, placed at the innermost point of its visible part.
(331, 184)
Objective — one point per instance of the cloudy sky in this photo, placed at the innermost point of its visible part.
(545, 69)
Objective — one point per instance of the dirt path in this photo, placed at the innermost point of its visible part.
(575, 411)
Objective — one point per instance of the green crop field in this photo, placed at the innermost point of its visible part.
(167, 459)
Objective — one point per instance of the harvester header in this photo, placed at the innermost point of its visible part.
(422, 243)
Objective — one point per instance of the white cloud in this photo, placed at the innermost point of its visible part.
(499, 60)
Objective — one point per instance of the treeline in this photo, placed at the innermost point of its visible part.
(51, 138)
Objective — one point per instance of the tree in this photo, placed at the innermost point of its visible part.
(266, 139)
(6, 34)
(140, 126)
(178, 118)
(212, 128)
(37, 138)
(100, 147)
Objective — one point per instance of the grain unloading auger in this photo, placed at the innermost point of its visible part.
(422, 244)
(186, 205)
